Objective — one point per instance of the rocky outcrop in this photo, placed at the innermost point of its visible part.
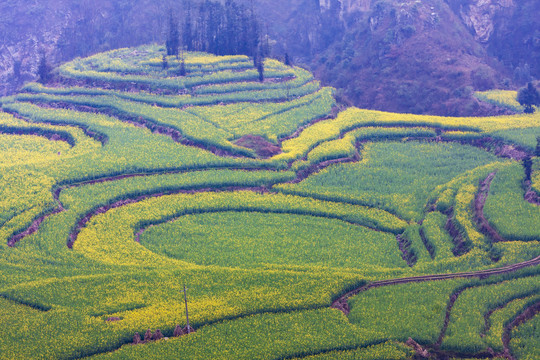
(479, 16)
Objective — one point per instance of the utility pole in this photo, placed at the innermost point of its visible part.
(187, 316)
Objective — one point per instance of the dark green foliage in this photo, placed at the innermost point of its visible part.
(173, 38)
(537, 150)
(527, 97)
(527, 165)
(187, 32)
(165, 64)
(287, 59)
(221, 29)
(44, 71)
(260, 69)
(182, 71)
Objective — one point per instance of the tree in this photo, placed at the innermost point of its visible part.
(43, 69)
(173, 38)
(527, 97)
(537, 150)
(164, 63)
(260, 68)
(527, 164)
(287, 59)
(187, 33)
(182, 71)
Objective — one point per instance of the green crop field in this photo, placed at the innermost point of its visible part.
(302, 230)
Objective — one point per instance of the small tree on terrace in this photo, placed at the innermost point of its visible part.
(287, 60)
(527, 165)
(260, 68)
(173, 38)
(527, 97)
(43, 69)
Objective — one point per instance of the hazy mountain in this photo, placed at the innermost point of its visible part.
(410, 56)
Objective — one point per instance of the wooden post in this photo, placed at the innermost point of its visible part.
(187, 316)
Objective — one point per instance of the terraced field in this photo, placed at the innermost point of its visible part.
(302, 230)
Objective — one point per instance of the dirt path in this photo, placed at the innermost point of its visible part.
(404, 247)
(526, 315)
(342, 302)
(449, 308)
(479, 202)
(460, 246)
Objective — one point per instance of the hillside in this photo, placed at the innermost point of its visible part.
(301, 230)
(420, 57)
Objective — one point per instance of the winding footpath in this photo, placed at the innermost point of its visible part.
(342, 302)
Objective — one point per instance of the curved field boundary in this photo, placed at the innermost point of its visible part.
(144, 84)
(37, 222)
(479, 202)
(487, 315)
(240, 210)
(481, 273)
(139, 121)
(525, 315)
(450, 305)
(26, 304)
(99, 137)
(365, 220)
(268, 95)
(34, 226)
(40, 132)
(342, 302)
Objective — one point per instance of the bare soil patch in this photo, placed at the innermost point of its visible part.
(264, 148)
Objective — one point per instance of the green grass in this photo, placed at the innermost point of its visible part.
(254, 239)
(502, 98)
(397, 177)
(467, 317)
(506, 209)
(259, 337)
(398, 312)
(525, 340)
(262, 266)
(434, 229)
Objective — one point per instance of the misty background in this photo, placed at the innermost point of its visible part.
(419, 56)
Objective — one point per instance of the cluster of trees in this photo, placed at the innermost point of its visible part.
(220, 29)
(528, 97)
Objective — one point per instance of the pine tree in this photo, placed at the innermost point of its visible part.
(527, 164)
(187, 32)
(260, 68)
(287, 59)
(254, 34)
(164, 63)
(173, 39)
(43, 69)
(527, 97)
(182, 71)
